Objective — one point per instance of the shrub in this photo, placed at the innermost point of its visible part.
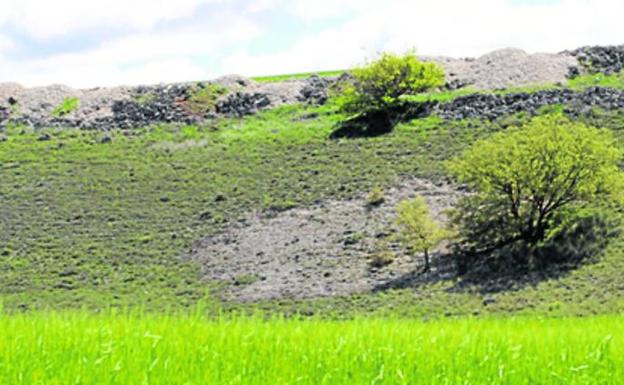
(205, 98)
(67, 106)
(382, 259)
(375, 197)
(530, 183)
(418, 229)
(380, 85)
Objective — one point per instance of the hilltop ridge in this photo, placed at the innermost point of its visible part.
(131, 107)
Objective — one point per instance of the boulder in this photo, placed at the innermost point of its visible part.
(242, 103)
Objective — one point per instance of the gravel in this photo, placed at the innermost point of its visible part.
(507, 68)
(316, 251)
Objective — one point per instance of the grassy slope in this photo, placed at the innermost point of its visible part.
(78, 348)
(304, 75)
(90, 224)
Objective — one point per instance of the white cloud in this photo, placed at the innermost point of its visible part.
(5, 43)
(262, 5)
(442, 27)
(325, 9)
(45, 19)
(141, 58)
(151, 54)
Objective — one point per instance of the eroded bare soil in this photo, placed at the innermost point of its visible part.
(322, 250)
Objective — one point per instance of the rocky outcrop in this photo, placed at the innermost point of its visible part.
(600, 59)
(132, 107)
(315, 91)
(153, 105)
(4, 114)
(242, 103)
(493, 106)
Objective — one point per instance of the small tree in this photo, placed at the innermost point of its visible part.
(380, 85)
(528, 180)
(418, 229)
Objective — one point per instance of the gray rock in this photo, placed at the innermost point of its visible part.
(240, 104)
(492, 106)
(315, 91)
(600, 59)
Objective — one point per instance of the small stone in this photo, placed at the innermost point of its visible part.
(489, 300)
(44, 137)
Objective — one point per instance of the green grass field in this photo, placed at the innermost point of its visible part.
(82, 348)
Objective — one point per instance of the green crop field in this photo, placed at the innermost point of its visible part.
(82, 348)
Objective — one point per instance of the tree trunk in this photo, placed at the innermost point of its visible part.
(427, 267)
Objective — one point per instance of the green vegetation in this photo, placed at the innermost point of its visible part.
(376, 196)
(205, 98)
(380, 85)
(305, 75)
(533, 182)
(579, 83)
(69, 348)
(68, 106)
(419, 230)
(152, 193)
(145, 98)
(444, 96)
(597, 80)
(382, 258)
(104, 225)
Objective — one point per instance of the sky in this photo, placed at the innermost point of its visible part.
(90, 43)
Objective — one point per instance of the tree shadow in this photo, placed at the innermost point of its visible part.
(499, 271)
(442, 269)
(380, 122)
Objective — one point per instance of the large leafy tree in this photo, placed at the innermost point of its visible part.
(527, 181)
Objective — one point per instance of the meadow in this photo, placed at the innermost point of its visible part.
(95, 225)
(134, 348)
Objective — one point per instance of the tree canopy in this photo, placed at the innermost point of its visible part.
(380, 84)
(524, 180)
(418, 228)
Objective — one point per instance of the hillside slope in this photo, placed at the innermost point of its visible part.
(98, 224)
(271, 210)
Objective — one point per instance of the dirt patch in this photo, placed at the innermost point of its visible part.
(508, 67)
(323, 250)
